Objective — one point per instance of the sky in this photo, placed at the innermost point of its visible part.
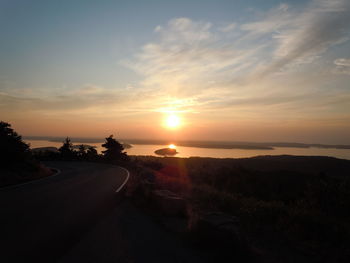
(226, 70)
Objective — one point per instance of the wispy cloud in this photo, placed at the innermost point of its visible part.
(342, 66)
(86, 99)
(228, 28)
(204, 66)
(309, 34)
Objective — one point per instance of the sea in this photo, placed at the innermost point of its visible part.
(184, 151)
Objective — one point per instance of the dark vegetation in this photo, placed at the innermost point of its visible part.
(291, 208)
(114, 153)
(19, 164)
(114, 150)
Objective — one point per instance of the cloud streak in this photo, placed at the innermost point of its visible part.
(204, 63)
(342, 66)
(310, 34)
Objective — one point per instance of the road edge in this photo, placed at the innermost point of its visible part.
(125, 181)
(57, 172)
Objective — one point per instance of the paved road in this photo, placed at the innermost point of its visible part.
(41, 221)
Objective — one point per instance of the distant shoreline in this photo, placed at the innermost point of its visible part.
(200, 144)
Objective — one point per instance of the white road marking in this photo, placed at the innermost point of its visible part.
(125, 181)
(58, 171)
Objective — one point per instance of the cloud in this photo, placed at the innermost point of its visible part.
(89, 98)
(323, 24)
(188, 57)
(90, 90)
(342, 66)
(185, 30)
(272, 21)
(202, 65)
(158, 29)
(344, 62)
(228, 28)
(261, 67)
(300, 37)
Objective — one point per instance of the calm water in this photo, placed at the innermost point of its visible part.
(139, 149)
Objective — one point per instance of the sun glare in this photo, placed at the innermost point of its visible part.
(172, 121)
(172, 146)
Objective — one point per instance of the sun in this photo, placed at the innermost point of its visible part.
(172, 121)
(172, 146)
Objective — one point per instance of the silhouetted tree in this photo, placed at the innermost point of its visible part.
(82, 149)
(91, 154)
(13, 149)
(114, 150)
(16, 160)
(66, 150)
(82, 152)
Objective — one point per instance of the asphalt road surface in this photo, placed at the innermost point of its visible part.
(42, 220)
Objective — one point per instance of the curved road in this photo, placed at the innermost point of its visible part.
(42, 220)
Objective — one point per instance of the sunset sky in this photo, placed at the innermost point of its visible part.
(220, 70)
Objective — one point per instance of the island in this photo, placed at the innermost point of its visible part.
(166, 152)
